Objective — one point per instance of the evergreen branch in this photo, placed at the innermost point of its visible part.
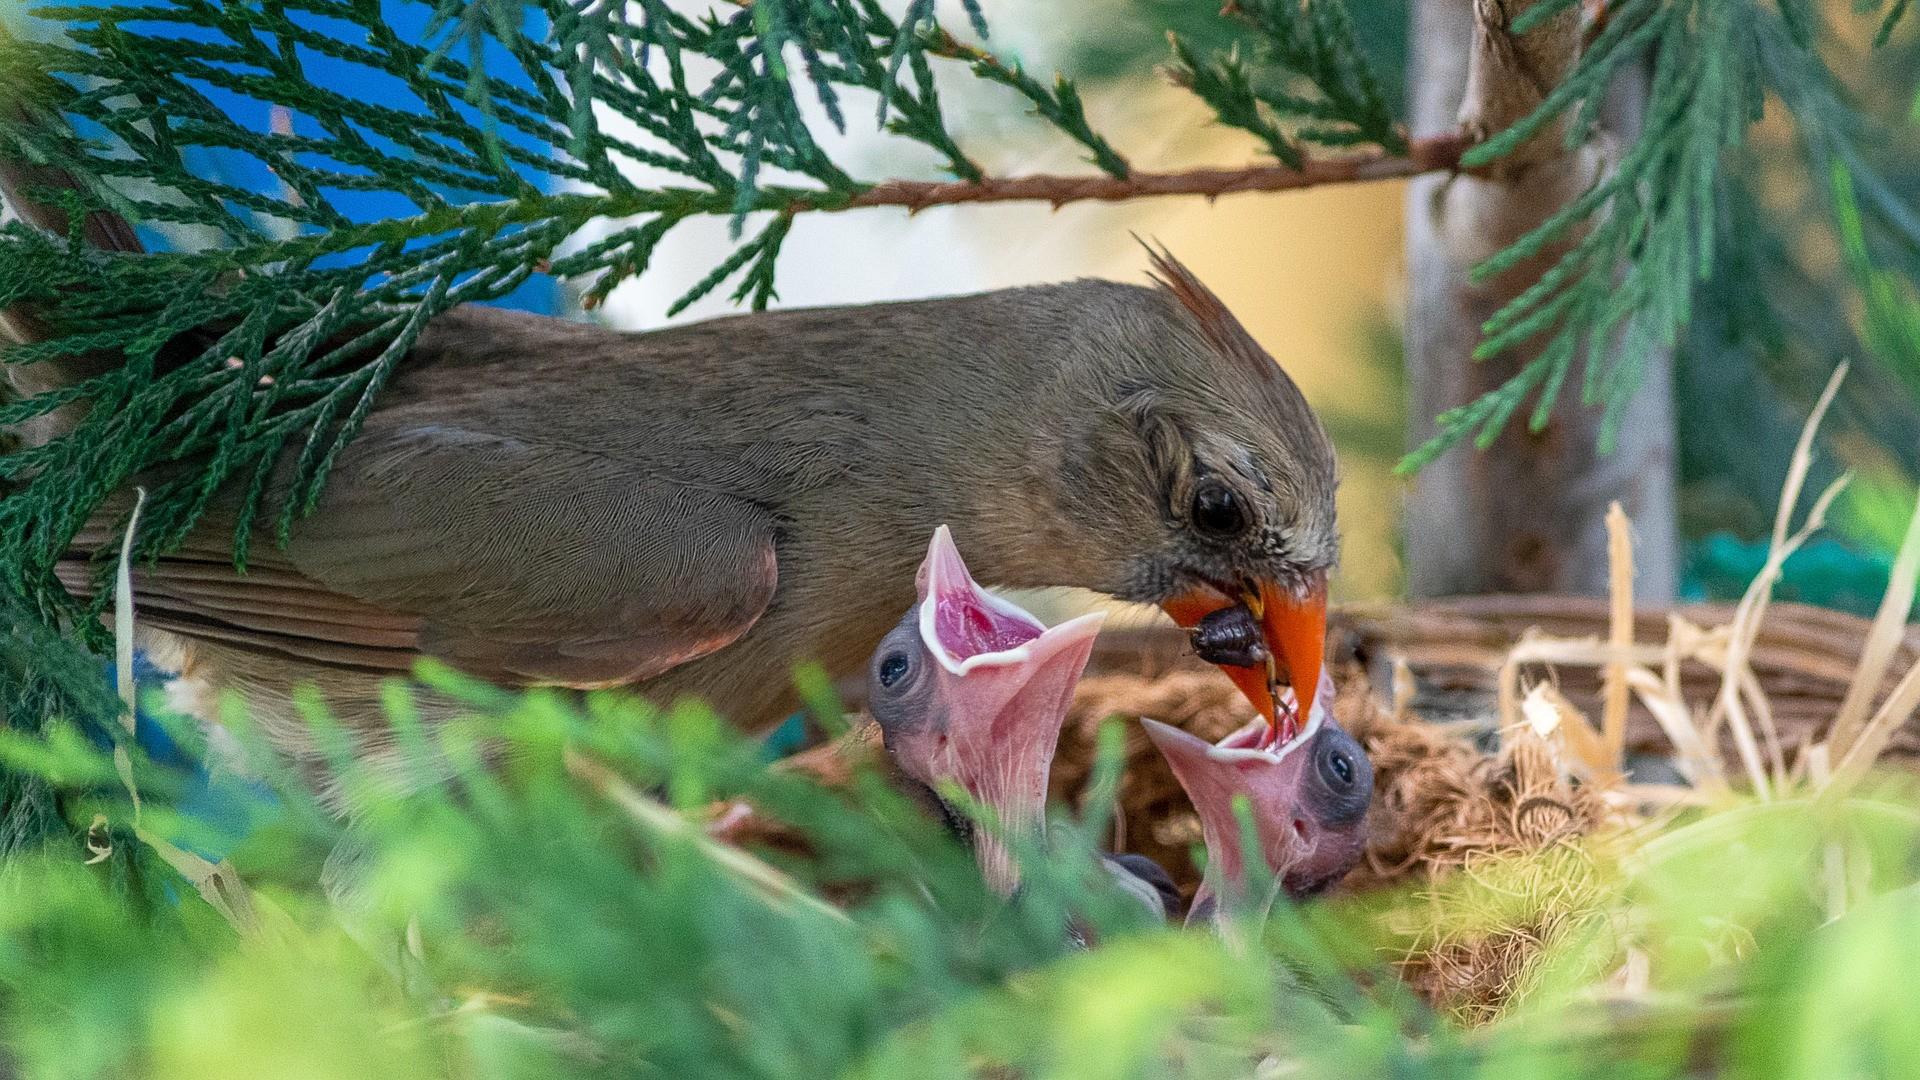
(272, 346)
(1061, 105)
(618, 257)
(1311, 69)
(1539, 13)
(760, 252)
(1625, 256)
(1885, 32)
(918, 116)
(1441, 153)
(575, 210)
(1227, 87)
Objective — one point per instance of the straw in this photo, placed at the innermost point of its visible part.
(216, 882)
(1731, 704)
(1613, 724)
(1889, 627)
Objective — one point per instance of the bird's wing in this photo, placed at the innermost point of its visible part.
(514, 561)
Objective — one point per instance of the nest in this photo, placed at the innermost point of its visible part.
(1439, 798)
(1499, 802)
(1445, 808)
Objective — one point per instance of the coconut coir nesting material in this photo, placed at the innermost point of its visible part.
(1447, 821)
(1439, 801)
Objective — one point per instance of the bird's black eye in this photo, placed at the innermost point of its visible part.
(1346, 779)
(893, 669)
(1217, 510)
(1340, 767)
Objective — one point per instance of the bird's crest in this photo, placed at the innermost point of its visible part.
(1216, 324)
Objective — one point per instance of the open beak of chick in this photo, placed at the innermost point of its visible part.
(1308, 800)
(1285, 637)
(992, 687)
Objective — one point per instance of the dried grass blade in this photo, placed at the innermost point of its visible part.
(1695, 758)
(1889, 629)
(1803, 456)
(1833, 857)
(216, 882)
(1613, 717)
(1892, 715)
(1751, 611)
(1582, 651)
(1556, 720)
(123, 650)
(1755, 697)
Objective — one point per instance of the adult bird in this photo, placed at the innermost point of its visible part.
(1306, 800)
(694, 511)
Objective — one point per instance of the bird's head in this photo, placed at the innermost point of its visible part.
(1308, 800)
(1205, 482)
(971, 690)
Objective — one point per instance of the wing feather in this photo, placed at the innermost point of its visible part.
(518, 562)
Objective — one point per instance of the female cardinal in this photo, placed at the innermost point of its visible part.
(693, 511)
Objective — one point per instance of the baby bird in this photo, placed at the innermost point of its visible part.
(1307, 797)
(970, 690)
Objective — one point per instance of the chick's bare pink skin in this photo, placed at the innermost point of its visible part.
(971, 690)
(1308, 799)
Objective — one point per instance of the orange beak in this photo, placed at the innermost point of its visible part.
(1295, 629)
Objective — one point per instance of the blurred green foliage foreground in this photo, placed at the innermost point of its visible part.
(559, 912)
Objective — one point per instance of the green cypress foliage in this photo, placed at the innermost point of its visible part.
(1646, 237)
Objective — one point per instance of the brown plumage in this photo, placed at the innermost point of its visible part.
(695, 510)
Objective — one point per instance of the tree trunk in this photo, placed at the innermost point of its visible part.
(1527, 514)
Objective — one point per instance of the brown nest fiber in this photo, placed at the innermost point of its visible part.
(1439, 800)
(1488, 842)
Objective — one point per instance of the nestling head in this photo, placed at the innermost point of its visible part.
(970, 690)
(1308, 800)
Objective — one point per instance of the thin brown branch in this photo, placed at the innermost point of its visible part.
(1437, 154)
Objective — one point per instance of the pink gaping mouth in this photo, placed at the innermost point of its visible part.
(967, 627)
(1258, 742)
(1254, 736)
(964, 625)
(1006, 682)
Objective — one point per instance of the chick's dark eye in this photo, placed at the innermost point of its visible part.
(892, 669)
(1346, 779)
(1217, 511)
